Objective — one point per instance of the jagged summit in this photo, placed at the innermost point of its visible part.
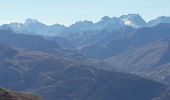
(133, 20)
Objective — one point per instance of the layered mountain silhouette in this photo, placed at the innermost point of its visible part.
(32, 26)
(118, 58)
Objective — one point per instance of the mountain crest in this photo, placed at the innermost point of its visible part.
(33, 26)
(159, 20)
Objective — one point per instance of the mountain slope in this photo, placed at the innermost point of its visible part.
(29, 42)
(151, 61)
(159, 20)
(6, 95)
(53, 77)
(126, 40)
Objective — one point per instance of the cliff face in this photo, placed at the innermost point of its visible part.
(6, 95)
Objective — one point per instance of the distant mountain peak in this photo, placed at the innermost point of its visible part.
(58, 25)
(31, 21)
(83, 22)
(6, 27)
(105, 18)
(161, 19)
(133, 20)
(131, 16)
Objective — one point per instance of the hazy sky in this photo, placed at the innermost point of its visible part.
(69, 11)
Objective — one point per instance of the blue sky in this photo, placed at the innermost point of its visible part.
(69, 11)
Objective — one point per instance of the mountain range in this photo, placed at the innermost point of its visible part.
(119, 58)
(32, 26)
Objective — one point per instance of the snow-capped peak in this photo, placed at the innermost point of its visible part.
(133, 20)
(130, 23)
